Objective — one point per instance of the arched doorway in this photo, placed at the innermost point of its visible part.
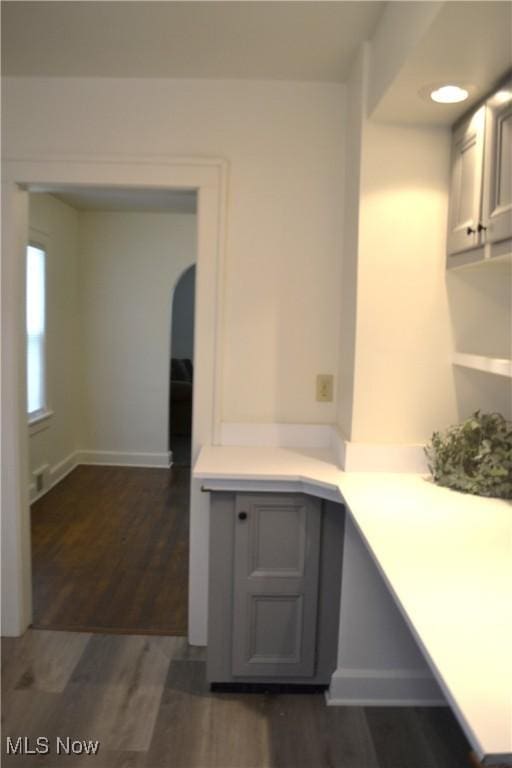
(182, 368)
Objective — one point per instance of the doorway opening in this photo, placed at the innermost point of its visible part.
(208, 177)
(109, 514)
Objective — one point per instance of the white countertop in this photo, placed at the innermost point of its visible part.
(446, 557)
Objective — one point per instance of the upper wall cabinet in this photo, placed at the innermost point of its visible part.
(497, 197)
(480, 214)
(466, 184)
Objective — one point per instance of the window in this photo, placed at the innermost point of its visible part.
(36, 394)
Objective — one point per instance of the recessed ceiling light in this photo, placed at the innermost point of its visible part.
(501, 97)
(449, 94)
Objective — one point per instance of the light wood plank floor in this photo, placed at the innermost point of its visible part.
(146, 700)
(110, 551)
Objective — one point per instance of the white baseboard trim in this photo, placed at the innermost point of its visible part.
(63, 468)
(106, 458)
(56, 473)
(384, 457)
(276, 435)
(384, 688)
(124, 458)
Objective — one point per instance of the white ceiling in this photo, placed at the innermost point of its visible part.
(313, 41)
(128, 200)
(468, 43)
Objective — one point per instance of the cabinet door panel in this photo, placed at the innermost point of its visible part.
(277, 549)
(498, 167)
(275, 632)
(277, 541)
(466, 184)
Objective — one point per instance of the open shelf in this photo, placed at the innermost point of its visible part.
(501, 366)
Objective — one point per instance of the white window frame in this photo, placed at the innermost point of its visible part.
(40, 419)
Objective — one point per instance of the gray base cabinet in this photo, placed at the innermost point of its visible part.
(275, 579)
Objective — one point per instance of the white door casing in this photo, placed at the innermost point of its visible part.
(20, 176)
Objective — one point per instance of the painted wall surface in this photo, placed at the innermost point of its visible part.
(356, 101)
(129, 264)
(182, 325)
(378, 658)
(54, 225)
(404, 379)
(284, 223)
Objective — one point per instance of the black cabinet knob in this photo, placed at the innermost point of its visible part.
(242, 515)
(470, 231)
(481, 228)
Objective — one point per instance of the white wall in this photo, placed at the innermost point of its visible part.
(129, 264)
(356, 104)
(378, 658)
(404, 379)
(54, 225)
(284, 229)
(110, 280)
(397, 382)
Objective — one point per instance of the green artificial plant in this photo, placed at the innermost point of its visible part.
(474, 456)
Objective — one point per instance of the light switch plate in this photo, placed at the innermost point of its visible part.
(324, 387)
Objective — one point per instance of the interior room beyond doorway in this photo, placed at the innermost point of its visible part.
(110, 514)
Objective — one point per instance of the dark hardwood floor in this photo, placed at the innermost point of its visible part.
(146, 700)
(110, 551)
